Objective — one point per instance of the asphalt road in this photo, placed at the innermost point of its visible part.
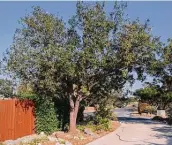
(123, 115)
(136, 131)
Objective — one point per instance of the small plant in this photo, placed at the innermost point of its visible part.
(81, 127)
(142, 107)
(61, 141)
(102, 123)
(35, 141)
(105, 111)
(158, 118)
(150, 109)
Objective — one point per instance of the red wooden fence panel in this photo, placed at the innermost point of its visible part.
(16, 119)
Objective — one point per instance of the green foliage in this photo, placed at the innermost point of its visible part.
(151, 109)
(95, 55)
(45, 113)
(96, 125)
(46, 117)
(149, 94)
(105, 111)
(158, 118)
(102, 123)
(81, 127)
(6, 88)
(155, 95)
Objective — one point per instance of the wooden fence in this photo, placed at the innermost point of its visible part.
(16, 119)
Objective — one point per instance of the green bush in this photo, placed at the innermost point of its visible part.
(102, 123)
(45, 113)
(158, 118)
(97, 124)
(46, 117)
(150, 109)
(104, 111)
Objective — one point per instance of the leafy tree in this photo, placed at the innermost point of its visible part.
(6, 88)
(95, 55)
(155, 95)
(160, 69)
(148, 95)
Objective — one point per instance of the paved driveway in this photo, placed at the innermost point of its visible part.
(136, 131)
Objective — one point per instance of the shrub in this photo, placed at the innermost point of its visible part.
(97, 124)
(169, 121)
(45, 113)
(46, 117)
(150, 109)
(104, 111)
(142, 107)
(158, 118)
(102, 123)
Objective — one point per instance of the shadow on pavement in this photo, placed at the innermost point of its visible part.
(136, 120)
(164, 132)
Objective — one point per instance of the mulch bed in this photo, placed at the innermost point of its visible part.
(75, 138)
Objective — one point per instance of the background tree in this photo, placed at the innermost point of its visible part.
(6, 88)
(159, 91)
(95, 55)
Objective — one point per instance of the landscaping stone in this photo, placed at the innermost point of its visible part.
(53, 139)
(88, 131)
(9, 142)
(67, 143)
(42, 133)
(76, 137)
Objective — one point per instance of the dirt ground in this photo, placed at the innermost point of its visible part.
(80, 138)
(147, 115)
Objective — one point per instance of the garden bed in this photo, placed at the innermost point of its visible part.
(62, 138)
(80, 138)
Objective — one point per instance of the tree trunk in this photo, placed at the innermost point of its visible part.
(72, 125)
(74, 106)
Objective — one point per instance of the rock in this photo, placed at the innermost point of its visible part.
(53, 139)
(88, 131)
(67, 143)
(42, 133)
(9, 142)
(95, 136)
(75, 137)
(69, 136)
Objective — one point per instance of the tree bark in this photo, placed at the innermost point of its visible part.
(74, 107)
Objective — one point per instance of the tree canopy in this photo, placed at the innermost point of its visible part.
(6, 88)
(90, 59)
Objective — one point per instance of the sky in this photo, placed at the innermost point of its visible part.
(159, 13)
